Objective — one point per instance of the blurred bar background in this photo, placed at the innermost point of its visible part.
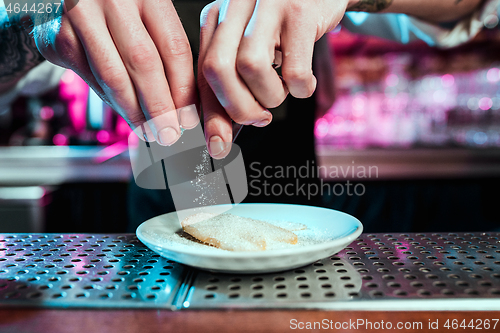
(412, 103)
(64, 162)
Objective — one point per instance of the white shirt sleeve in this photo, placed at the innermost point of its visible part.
(404, 29)
(38, 81)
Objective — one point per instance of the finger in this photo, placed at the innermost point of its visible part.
(218, 125)
(76, 59)
(106, 64)
(66, 50)
(218, 128)
(219, 66)
(144, 65)
(71, 54)
(165, 28)
(297, 46)
(256, 56)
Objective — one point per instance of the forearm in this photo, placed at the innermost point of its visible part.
(429, 10)
(18, 54)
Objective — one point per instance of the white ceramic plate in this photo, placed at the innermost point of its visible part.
(332, 231)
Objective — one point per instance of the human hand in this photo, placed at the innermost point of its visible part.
(238, 42)
(135, 55)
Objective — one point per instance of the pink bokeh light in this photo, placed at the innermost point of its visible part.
(485, 103)
(447, 80)
(103, 136)
(75, 91)
(122, 128)
(392, 80)
(493, 75)
(322, 127)
(60, 140)
(46, 113)
(111, 151)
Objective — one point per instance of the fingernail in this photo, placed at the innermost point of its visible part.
(216, 145)
(264, 122)
(167, 136)
(189, 117)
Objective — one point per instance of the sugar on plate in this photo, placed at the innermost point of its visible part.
(235, 233)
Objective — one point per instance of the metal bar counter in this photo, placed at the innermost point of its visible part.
(50, 279)
(55, 165)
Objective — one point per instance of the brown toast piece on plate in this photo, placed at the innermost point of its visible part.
(235, 233)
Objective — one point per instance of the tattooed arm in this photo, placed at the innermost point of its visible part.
(429, 10)
(18, 54)
(371, 6)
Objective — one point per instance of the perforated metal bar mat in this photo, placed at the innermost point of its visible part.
(375, 267)
(117, 271)
(377, 271)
